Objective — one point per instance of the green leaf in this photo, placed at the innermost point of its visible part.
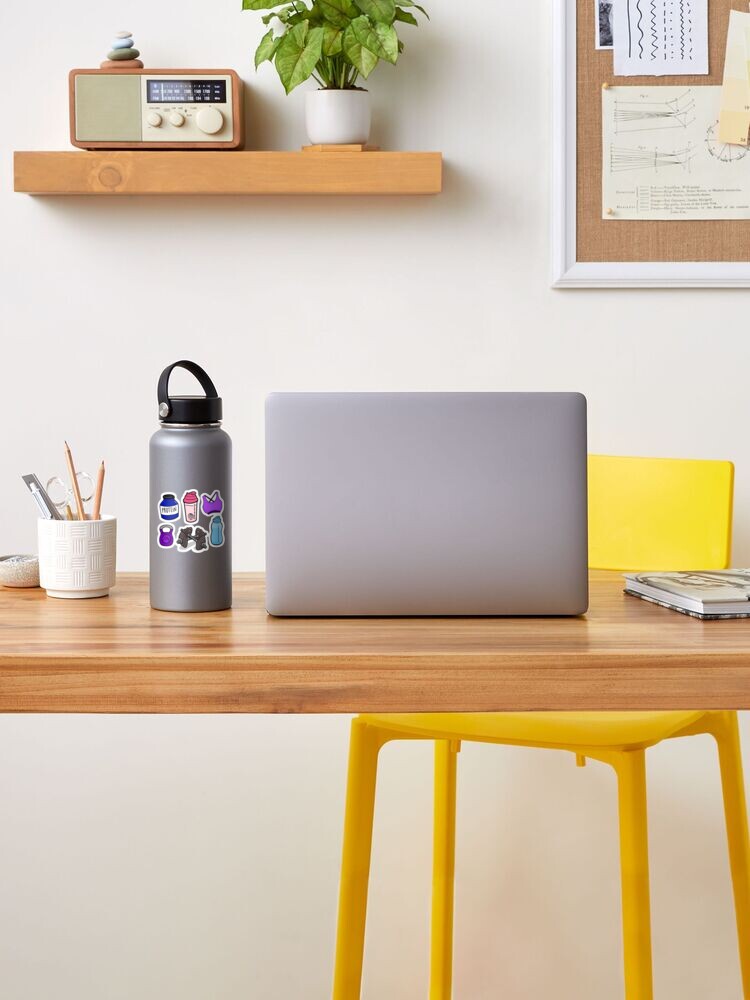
(406, 17)
(261, 4)
(333, 40)
(338, 12)
(361, 58)
(267, 48)
(380, 39)
(410, 3)
(297, 55)
(383, 11)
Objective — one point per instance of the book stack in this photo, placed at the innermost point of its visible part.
(706, 595)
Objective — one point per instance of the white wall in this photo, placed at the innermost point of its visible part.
(198, 857)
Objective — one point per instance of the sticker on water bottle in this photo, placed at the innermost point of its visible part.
(204, 522)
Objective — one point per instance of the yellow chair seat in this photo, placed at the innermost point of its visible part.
(621, 730)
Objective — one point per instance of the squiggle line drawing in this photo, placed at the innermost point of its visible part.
(661, 30)
(682, 29)
(640, 29)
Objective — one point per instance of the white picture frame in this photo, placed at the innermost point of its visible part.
(567, 270)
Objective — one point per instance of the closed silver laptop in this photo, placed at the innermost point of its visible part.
(426, 503)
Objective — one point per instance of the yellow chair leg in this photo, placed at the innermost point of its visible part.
(443, 870)
(735, 809)
(636, 908)
(364, 746)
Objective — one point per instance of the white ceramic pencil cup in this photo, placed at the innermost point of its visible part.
(77, 558)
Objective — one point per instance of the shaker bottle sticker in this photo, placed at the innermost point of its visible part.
(190, 506)
(217, 531)
(166, 535)
(169, 508)
(212, 504)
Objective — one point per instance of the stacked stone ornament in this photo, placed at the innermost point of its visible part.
(122, 54)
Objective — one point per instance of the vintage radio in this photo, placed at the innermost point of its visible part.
(156, 109)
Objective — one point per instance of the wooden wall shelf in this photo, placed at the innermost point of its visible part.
(120, 172)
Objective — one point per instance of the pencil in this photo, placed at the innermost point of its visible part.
(74, 483)
(96, 513)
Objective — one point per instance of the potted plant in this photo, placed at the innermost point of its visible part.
(335, 42)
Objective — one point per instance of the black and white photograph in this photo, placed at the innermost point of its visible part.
(604, 14)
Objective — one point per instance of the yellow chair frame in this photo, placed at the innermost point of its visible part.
(618, 739)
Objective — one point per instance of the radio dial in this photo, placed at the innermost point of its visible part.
(210, 120)
(154, 119)
(176, 119)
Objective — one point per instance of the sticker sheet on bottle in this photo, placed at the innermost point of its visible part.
(193, 522)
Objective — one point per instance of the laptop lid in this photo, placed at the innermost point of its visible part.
(426, 504)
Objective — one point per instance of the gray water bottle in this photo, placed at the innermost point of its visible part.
(190, 500)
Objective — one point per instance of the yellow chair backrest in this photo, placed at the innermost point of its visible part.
(659, 513)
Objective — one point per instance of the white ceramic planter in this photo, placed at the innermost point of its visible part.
(334, 117)
(77, 558)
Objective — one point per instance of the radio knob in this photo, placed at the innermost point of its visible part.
(176, 119)
(210, 120)
(154, 119)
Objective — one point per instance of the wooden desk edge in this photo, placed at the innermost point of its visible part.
(370, 683)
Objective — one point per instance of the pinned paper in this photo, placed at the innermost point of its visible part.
(661, 37)
(734, 116)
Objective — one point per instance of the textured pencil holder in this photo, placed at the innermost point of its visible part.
(77, 558)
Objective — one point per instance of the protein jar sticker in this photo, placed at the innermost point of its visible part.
(203, 527)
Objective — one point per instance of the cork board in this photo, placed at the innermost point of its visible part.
(600, 239)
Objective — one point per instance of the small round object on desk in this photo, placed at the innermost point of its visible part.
(154, 119)
(210, 120)
(19, 571)
(176, 118)
(123, 43)
(123, 54)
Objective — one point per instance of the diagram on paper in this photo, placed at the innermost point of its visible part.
(662, 157)
(660, 37)
(654, 116)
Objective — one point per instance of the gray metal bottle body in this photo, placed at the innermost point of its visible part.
(190, 496)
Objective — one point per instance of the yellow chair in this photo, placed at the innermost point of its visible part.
(644, 513)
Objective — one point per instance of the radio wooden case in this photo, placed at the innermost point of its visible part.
(156, 109)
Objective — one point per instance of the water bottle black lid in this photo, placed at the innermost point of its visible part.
(188, 409)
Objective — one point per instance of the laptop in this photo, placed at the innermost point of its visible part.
(426, 503)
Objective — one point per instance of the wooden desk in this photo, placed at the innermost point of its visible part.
(117, 655)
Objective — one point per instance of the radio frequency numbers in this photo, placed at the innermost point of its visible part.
(186, 91)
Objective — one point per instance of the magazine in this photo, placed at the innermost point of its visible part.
(705, 594)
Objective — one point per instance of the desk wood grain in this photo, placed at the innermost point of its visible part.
(118, 655)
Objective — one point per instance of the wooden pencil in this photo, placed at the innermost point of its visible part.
(96, 513)
(74, 483)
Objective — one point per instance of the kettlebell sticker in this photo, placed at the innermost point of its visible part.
(166, 535)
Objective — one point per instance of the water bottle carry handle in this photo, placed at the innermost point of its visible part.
(205, 382)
